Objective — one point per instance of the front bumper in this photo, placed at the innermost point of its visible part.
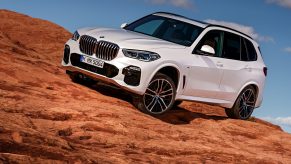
(122, 71)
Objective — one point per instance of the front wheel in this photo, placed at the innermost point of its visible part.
(159, 96)
(177, 103)
(244, 105)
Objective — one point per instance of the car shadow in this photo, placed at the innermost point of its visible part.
(176, 116)
(181, 116)
(107, 90)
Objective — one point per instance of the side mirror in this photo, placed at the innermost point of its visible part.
(208, 49)
(123, 25)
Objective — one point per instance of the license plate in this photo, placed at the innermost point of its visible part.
(92, 61)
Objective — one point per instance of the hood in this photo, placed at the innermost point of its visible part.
(129, 39)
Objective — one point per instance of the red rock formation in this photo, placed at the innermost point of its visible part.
(44, 117)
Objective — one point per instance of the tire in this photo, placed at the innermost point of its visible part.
(177, 103)
(159, 96)
(229, 112)
(244, 105)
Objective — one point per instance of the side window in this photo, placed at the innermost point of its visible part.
(251, 51)
(210, 44)
(231, 46)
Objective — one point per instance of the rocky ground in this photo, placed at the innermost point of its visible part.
(45, 118)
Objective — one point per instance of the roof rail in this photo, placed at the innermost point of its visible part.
(161, 12)
(181, 16)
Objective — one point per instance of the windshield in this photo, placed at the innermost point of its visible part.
(166, 29)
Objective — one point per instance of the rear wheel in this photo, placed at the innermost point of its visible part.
(229, 113)
(159, 96)
(244, 105)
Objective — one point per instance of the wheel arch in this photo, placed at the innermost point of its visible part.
(253, 84)
(169, 69)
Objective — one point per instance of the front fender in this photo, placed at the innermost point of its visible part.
(161, 66)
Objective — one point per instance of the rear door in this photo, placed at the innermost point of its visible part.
(236, 67)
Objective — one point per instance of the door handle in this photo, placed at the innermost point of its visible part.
(219, 64)
(248, 68)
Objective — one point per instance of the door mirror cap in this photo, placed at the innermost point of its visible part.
(123, 25)
(208, 49)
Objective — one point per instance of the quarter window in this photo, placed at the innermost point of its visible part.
(251, 51)
(244, 54)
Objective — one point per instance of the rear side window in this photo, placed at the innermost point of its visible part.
(231, 48)
(252, 54)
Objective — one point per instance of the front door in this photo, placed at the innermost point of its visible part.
(205, 70)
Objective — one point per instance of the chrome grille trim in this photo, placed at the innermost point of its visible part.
(106, 50)
(102, 49)
(87, 44)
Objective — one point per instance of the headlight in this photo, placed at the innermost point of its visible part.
(76, 36)
(141, 55)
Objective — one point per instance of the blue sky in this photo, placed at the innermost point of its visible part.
(268, 21)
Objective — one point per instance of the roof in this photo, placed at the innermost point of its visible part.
(197, 22)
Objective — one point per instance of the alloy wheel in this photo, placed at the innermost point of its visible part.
(158, 96)
(247, 103)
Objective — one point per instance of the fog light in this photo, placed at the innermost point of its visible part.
(66, 54)
(132, 75)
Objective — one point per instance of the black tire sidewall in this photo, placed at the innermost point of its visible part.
(139, 100)
(229, 113)
(235, 109)
(177, 103)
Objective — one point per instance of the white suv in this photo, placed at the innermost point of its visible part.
(165, 58)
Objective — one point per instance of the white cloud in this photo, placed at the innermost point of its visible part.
(182, 3)
(284, 3)
(187, 4)
(285, 121)
(287, 49)
(158, 1)
(242, 28)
